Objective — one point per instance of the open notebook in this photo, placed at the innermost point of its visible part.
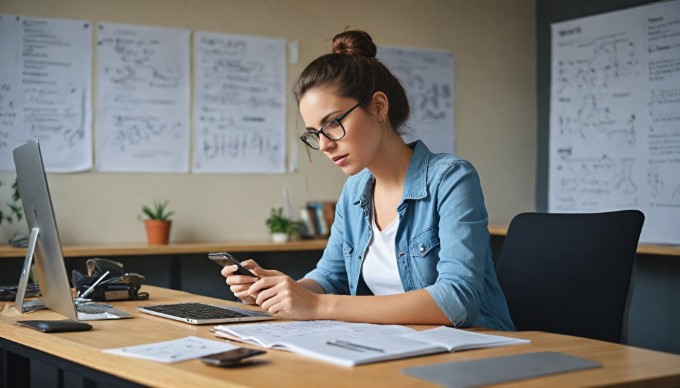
(350, 344)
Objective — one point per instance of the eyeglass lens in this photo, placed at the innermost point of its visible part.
(332, 129)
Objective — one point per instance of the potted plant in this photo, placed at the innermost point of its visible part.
(157, 222)
(280, 226)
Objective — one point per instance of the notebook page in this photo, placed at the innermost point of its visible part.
(269, 334)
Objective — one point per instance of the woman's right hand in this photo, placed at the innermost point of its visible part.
(239, 284)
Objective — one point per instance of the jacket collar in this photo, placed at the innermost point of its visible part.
(415, 186)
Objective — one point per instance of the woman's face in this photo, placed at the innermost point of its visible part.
(361, 143)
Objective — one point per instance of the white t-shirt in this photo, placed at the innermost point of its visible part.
(380, 265)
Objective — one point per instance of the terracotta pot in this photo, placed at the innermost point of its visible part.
(157, 231)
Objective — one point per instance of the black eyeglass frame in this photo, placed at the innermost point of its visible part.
(337, 120)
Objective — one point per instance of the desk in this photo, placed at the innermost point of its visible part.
(81, 352)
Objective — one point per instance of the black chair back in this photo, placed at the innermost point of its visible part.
(570, 273)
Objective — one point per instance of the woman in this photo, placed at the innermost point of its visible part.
(409, 244)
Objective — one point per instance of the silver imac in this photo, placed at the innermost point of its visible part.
(44, 238)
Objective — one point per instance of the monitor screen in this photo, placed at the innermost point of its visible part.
(44, 237)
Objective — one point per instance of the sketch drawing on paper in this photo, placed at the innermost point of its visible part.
(7, 113)
(427, 77)
(56, 114)
(136, 65)
(143, 99)
(588, 94)
(45, 90)
(591, 183)
(240, 104)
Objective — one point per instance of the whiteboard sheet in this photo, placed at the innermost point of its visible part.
(239, 104)
(427, 76)
(615, 116)
(143, 76)
(46, 90)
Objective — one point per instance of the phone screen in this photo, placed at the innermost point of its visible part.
(224, 259)
(231, 357)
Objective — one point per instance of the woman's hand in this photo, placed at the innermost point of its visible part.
(239, 284)
(283, 296)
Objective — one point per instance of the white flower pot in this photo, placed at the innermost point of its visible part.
(279, 237)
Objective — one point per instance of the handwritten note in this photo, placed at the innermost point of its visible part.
(143, 76)
(239, 106)
(46, 90)
(427, 76)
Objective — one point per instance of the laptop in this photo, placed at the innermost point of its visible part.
(203, 313)
(44, 245)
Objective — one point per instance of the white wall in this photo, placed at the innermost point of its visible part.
(493, 43)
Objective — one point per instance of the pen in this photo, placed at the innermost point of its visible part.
(353, 346)
(336, 343)
(91, 288)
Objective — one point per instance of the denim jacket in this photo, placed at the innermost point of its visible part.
(442, 242)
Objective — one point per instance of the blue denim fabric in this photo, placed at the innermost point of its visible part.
(442, 243)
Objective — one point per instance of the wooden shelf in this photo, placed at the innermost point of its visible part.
(642, 249)
(141, 249)
(72, 251)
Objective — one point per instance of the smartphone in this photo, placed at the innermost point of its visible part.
(224, 259)
(231, 357)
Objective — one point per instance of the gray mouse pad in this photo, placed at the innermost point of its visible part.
(497, 370)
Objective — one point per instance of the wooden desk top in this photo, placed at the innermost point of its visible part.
(622, 365)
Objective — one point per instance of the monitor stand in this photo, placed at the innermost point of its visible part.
(32, 305)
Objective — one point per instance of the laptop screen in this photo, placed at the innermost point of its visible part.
(35, 198)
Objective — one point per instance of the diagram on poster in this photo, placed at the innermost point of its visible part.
(615, 116)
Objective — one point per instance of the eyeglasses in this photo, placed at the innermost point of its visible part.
(333, 129)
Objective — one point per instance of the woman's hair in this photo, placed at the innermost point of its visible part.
(353, 69)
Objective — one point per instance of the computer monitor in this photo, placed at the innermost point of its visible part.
(44, 238)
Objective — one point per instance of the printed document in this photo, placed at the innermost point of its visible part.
(177, 350)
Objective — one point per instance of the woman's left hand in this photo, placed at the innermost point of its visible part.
(283, 296)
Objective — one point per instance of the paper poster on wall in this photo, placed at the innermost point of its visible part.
(239, 104)
(427, 76)
(46, 90)
(615, 116)
(143, 76)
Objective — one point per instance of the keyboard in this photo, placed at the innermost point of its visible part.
(195, 311)
(9, 293)
(96, 311)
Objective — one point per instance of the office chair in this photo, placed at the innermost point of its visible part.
(570, 273)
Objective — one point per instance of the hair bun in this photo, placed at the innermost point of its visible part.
(354, 43)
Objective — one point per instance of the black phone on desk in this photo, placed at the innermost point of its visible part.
(240, 356)
(224, 259)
